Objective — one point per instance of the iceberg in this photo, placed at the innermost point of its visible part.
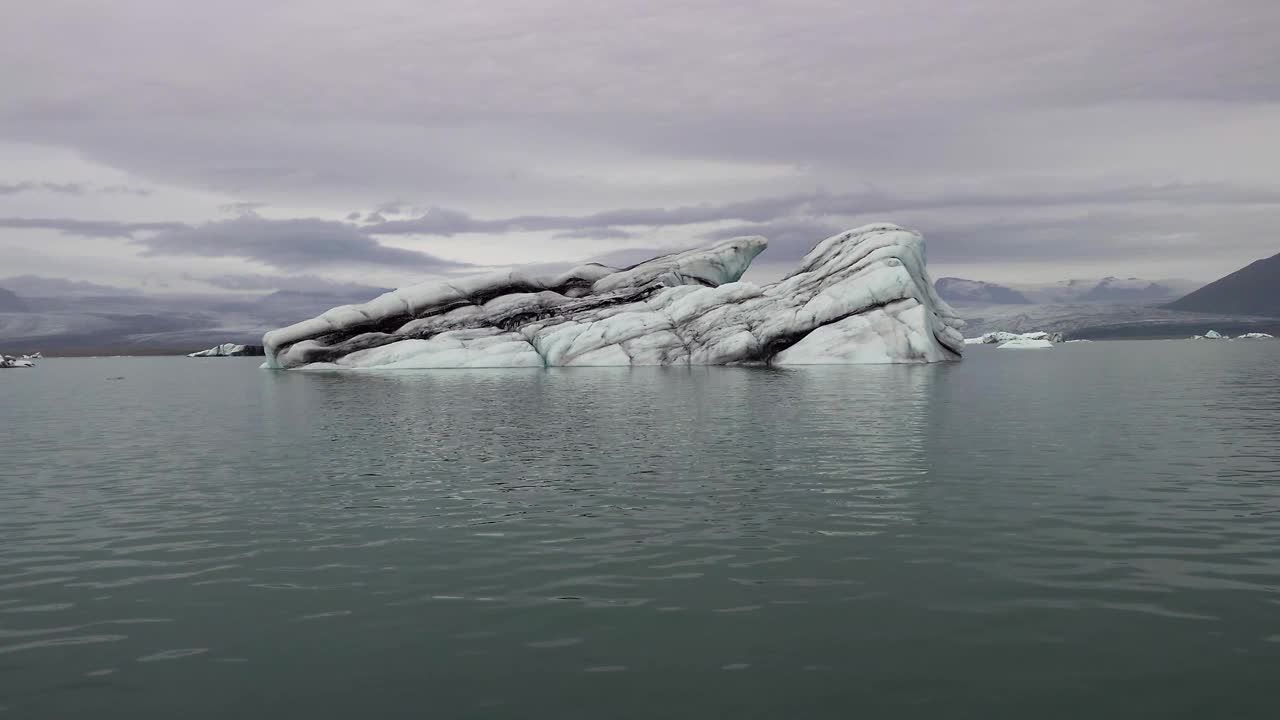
(1023, 343)
(862, 296)
(1211, 335)
(228, 350)
(8, 361)
(1000, 336)
(1256, 336)
(1051, 337)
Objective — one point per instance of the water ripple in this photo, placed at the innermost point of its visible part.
(1097, 517)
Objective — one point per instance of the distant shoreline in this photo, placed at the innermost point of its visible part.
(118, 352)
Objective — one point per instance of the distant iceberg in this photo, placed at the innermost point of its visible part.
(1211, 335)
(1024, 343)
(8, 361)
(229, 350)
(1256, 336)
(863, 296)
(1000, 336)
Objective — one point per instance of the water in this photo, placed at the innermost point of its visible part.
(1091, 531)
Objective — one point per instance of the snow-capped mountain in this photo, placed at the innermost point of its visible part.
(1107, 290)
(74, 317)
(959, 291)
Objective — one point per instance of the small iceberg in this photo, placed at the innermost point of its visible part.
(1212, 335)
(1024, 343)
(1001, 336)
(1256, 336)
(230, 350)
(8, 361)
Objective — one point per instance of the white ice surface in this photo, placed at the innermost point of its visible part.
(863, 296)
(223, 350)
(1024, 344)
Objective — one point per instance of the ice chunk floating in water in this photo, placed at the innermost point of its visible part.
(1023, 343)
(863, 296)
(1001, 336)
(228, 350)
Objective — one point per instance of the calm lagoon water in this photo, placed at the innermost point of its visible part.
(1090, 531)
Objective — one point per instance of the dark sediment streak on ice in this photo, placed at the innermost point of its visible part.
(863, 296)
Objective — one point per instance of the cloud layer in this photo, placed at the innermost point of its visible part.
(290, 245)
(1115, 135)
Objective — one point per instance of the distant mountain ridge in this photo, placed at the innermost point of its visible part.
(1110, 307)
(1251, 290)
(1113, 289)
(958, 291)
(61, 316)
(1109, 289)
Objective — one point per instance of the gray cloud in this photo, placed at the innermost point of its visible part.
(391, 207)
(923, 89)
(65, 188)
(789, 239)
(443, 221)
(290, 245)
(294, 283)
(603, 225)
(593, 233)
(241, 208)
(999, 129)
(70, 188)
(38, 286)
(88, 228)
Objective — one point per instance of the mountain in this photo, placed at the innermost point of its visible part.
(10, 302)
(1102, 320)
(1110, 307)
(958, 291)
(1107, 290)
(1251, 290)
(65, 317)
(1113, 289)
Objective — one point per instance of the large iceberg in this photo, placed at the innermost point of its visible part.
(863, 296)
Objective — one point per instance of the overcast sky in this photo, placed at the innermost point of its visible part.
(180, 145)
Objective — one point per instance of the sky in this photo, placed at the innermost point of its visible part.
(240, 145)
